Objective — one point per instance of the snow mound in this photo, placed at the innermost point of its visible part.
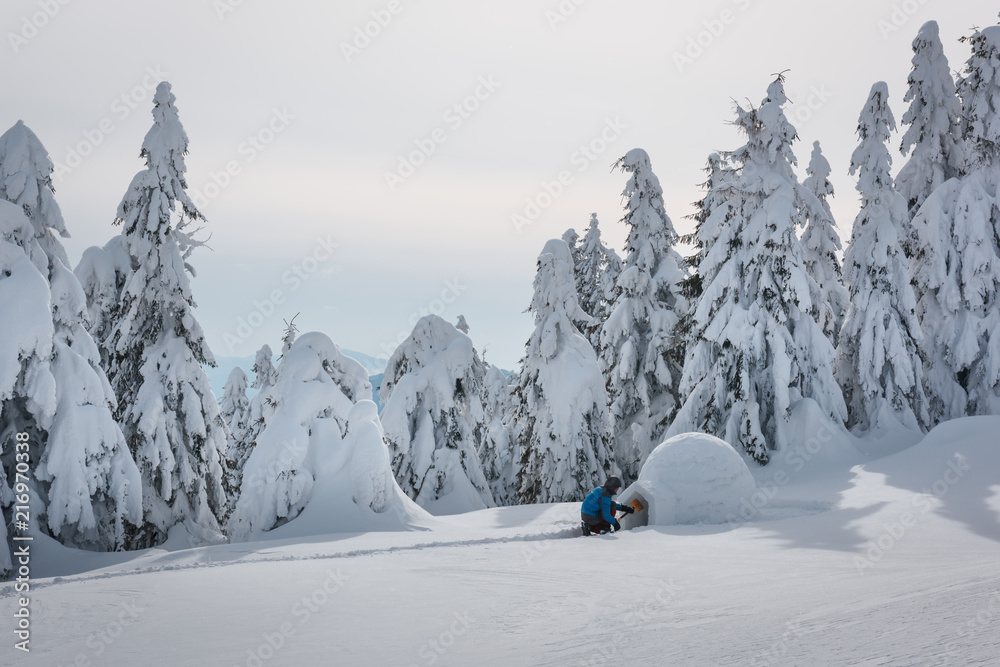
(689, 478)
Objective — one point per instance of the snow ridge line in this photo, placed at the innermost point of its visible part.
(8, 591)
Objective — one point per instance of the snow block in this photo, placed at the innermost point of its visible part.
(690, 478)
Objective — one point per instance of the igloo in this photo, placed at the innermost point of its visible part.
(690, 478)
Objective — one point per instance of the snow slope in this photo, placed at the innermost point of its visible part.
(893, 561)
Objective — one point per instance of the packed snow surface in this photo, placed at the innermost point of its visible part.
(690, 478)
(885, 561)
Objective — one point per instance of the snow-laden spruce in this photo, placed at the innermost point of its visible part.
(86, 483)
(235, 408)
(720, 176)
(561, 401)
(27, 386)
(933, 119)
(608, 289)
(498, 451)
(235, 405)
(595, 279)
(820, 250)
(288, 338)
(313, 395)
(978, 87)
(588, 264)
(956, 265)
(758, 351)
(167, 411)
(102, 272)
(433, 418)
(259, 411)
(878, 362)
(640, 354)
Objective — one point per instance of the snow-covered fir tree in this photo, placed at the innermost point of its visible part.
(587, 270)
(821, 247)
(261, 406)
(264, 372)
(956, 267)
(498, 450)
(561, 402)
(609, 290)
(433, 418)
(87, 485)
(933, 119)
(720, 176)
(640, 353)
(27, 386)
(978, 87)
(758, 350)
(235, 408)
(288, 338)
(596, 269)
(235, 405)
(462, 325)
(314, 392)
(102, 272)
(878, 363)
(572, 239)
(167, 411)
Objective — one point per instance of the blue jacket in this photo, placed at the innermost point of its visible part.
(599, 504)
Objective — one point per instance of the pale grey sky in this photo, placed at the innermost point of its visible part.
(292, 133)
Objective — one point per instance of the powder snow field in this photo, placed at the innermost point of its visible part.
(892, 561)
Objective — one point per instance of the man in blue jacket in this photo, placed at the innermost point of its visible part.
(598, 511)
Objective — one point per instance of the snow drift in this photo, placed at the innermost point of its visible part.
(690, 478)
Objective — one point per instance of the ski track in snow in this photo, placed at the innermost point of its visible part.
(8, 591)
(775, 511)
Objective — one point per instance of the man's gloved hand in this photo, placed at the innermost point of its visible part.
(629, 509)
(616, 526)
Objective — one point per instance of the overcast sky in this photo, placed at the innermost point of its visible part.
(295, 121)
